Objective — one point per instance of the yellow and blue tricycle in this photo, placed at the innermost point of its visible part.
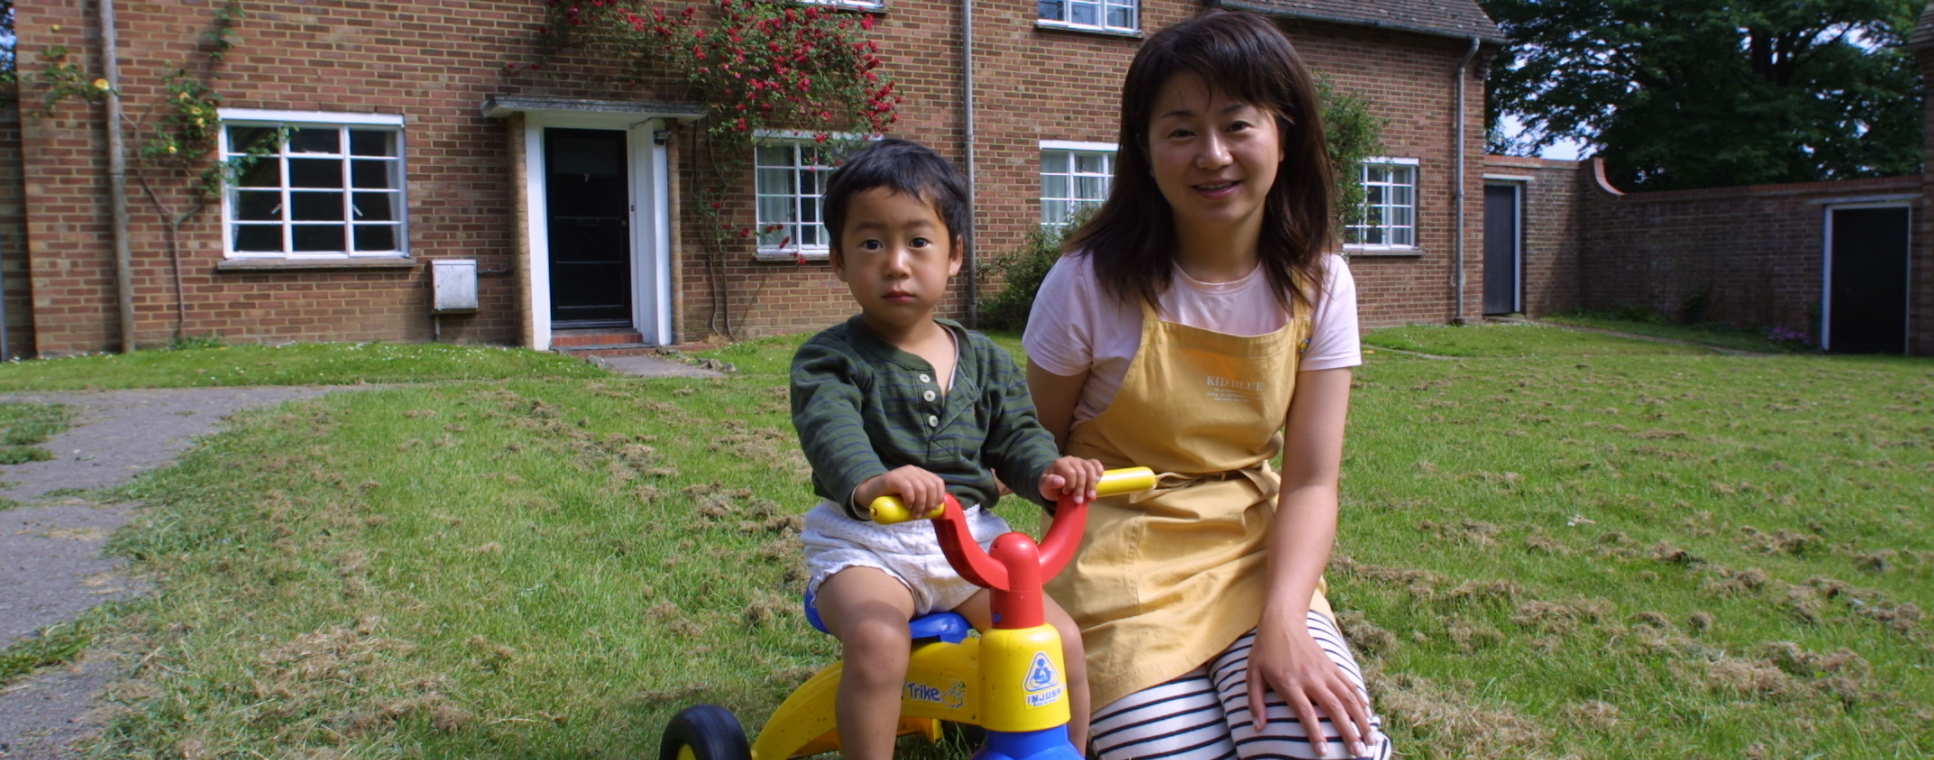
(1007, 680)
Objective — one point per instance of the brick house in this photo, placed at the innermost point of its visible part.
(413, 144)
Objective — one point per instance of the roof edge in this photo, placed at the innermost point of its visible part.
(1269, 10)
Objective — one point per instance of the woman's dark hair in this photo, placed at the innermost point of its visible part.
(1245, 57)
(902, 166)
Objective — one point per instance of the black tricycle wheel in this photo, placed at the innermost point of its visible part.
(707, 732)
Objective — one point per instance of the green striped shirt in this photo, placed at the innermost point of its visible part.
(863, 407)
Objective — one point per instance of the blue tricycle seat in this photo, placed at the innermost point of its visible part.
(945, 626)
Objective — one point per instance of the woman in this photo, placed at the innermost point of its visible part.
(1201, 325)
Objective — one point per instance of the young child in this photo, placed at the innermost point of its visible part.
(896, 401)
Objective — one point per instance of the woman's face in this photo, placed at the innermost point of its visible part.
(1214, 158)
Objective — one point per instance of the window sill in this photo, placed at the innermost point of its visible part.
(878, 6)
(1061, 26)
(290, 265)
(768, 256)
(1383, 252)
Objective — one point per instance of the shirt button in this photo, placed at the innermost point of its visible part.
(928, 395)
(925, 378)
(933, 421)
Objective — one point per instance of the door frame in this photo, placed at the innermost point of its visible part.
(649, 198)
(1826, 266)
(1520, 186)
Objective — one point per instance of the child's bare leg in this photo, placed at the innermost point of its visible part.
(978, 609)
(868, 610)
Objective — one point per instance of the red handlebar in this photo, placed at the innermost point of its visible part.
(1017, 567)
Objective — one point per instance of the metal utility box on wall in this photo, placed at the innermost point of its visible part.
(454, 285)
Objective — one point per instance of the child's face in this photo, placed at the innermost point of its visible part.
(895, 254)
(1214, 158)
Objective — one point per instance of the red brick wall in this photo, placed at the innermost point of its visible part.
(1753, 253)
(1034, 84)
(13, 240)
(436, 63)
(431, 63)
(1410, 80)
(1551, 232)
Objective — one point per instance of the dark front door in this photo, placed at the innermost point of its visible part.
(1501, 236)
(1867, 307)
(588, 208)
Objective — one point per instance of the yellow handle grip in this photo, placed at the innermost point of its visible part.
(888, 510)
(1125, 480)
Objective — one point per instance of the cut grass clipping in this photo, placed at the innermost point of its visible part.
(1564, 546)
(23, 425)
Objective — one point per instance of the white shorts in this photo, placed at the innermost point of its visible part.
(907, 552)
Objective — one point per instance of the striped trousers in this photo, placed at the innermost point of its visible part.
(1204, 714)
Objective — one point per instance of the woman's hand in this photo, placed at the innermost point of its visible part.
(1288, 661)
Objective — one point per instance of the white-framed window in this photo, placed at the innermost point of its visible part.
(1074, 175)
(313, 185)
(1102, 15)
(1389, 218)
(790, 182)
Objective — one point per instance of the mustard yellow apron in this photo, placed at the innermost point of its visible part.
(1169, 578)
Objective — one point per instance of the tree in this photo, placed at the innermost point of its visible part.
(1698, 93)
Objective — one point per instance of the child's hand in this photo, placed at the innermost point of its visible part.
(1071, 478)
(921, 491)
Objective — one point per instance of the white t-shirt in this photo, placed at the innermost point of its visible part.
(1076, 326)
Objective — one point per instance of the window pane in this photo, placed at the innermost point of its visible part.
(1054, 10)
(315, 172)
(318, 237)
(774, 155)
(1054, 212)
(1401, 195)
(375, 207)
(261, 172)
(773, 210)
(769, 238)
(372, 142)
(1091, 188)
(809, 210)
(258, 237)
(375, 237)
(1121, 16)
(775, 181)
(1084, 13)
(316, 140)
(315, 207)
(812, 235)
(373, 174)
(1055, 161)
(241, 139)
(1089, 163)
(1054, 186)
(259, 206)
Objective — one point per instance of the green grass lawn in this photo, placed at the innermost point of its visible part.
(1562, 545)
(293, 364)
(1711, 333)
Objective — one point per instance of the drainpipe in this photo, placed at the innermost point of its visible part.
(967, 121)
(1457, 246)
(117, 176)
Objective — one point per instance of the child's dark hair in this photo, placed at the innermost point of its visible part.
(1132, 237)
(902, 166)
